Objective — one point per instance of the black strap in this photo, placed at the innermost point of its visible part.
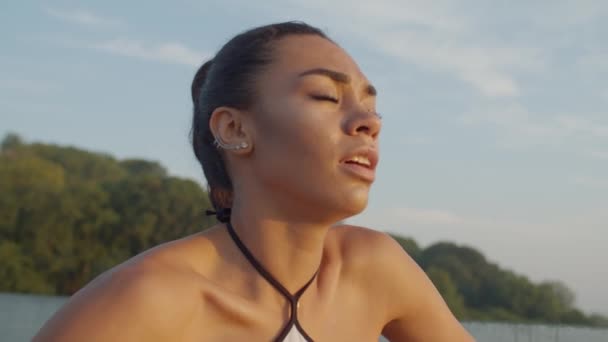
(292, 298)
(222, 215)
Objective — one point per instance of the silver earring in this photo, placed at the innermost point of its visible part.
(219, 144)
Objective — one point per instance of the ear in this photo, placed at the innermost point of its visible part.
(230, 127)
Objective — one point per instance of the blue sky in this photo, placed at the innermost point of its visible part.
(495, 113)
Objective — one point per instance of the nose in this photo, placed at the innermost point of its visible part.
(364, 121)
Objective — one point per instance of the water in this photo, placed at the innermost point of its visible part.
(22, 315)
(503, 332)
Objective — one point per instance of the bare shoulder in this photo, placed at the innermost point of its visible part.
(413, 309)
(366, 249)
(149, 297)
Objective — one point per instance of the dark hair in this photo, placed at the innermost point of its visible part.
(228, 79)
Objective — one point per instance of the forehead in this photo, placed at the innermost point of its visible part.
(295, 54)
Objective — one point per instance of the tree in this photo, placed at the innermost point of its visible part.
(67, 215)
(564, 295)
(10, 142)
(444, 284)
(409, 245)
(462, 264)
(17, 271)
(140, 167)
(599, 320)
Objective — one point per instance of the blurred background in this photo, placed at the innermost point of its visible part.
(494, 149)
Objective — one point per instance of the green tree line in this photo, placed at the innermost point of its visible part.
(476, 289)
(67, 214)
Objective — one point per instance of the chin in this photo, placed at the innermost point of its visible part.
(355, 203)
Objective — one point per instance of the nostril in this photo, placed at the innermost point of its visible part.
(363, 129)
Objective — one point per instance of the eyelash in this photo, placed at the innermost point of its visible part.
(324, 98)
(334, 100)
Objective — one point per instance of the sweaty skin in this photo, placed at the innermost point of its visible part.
(291, 185)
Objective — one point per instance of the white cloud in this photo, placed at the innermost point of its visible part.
(564, 15)
(596, 61)
(432, 224)
(435, 15)
(521, 128)
(580, 125)
(409, 215)
(484, 68)
(413, 140)
(603, 155)
(28, 86)
(436, 35)
(170, 52)
(592, 182)
(82, 17)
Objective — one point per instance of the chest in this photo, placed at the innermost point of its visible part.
(345, 314)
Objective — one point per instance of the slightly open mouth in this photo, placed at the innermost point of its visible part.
(360, 170)
(356, 163)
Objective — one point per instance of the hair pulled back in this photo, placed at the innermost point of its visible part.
(228, 79)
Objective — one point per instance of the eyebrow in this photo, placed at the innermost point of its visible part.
(337, 76)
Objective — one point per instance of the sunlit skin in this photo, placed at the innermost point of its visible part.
(291, 186)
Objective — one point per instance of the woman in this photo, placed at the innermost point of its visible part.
(286, 131)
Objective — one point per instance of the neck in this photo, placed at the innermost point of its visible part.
(290, 250)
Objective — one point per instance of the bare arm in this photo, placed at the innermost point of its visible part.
(131, 304)
(415, 311)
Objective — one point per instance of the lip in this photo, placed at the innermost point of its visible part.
(360, 171)
(363, 172)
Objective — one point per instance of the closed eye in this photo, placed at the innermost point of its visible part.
(324, 98)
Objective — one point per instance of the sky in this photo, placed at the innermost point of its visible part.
(495, 114)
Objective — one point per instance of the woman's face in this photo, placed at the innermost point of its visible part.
(315, 129)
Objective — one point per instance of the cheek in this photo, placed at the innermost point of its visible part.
(295, 127)
(297, 156)
(297, 143)
(297, 150)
